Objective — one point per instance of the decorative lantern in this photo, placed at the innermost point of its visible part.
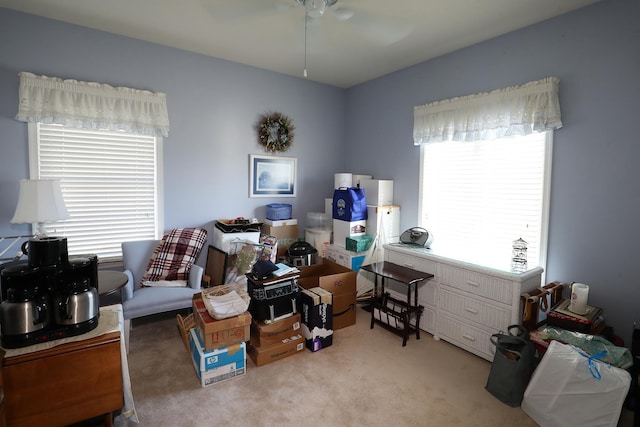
(519, 256)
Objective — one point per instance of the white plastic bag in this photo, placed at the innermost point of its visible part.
(571, 388)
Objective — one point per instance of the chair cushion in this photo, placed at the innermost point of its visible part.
(174, 256)
(147, 301)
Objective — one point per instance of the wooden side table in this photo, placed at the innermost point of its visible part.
(110, 282)
(400, 311)
(62, 382)
(65, 384)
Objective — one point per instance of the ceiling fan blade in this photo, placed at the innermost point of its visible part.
(382, 30)
(241, 9)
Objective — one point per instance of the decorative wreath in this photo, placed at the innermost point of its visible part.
(275, 132)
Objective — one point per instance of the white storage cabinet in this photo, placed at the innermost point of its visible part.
(465, 303)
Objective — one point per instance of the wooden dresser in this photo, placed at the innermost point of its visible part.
(465, 303)
(65, 384)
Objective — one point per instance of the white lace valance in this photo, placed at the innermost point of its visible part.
(518, 110)
(91, 105)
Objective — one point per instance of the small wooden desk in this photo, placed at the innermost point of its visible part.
(401, 311)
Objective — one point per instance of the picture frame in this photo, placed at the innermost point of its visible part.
(271, 176)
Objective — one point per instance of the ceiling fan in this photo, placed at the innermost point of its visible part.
(316, 8)
(360, 21)
(372, 25)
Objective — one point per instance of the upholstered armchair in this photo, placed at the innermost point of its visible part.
(139, 301)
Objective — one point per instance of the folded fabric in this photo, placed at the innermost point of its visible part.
(165, 283)
(174, 256)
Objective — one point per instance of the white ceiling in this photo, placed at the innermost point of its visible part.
(382, 36)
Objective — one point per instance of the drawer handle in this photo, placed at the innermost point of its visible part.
(469, 337)
(472, 283)
(471, 310)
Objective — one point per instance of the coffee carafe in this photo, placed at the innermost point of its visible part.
(75, 300)
(26, 311)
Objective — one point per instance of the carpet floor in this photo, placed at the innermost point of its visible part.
(366, 378)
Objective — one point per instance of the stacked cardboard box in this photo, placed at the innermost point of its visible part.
(218, 347)
(286, 232)
(340, 281)
(219, 365)
(317, 318)
(272, 341)
(345, 257)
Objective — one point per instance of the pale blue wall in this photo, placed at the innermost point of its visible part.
(595, 199)
(213, 105)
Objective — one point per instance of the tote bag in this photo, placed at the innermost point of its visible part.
(513, 365)
(349, 204)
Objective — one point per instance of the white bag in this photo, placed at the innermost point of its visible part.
(571, 388)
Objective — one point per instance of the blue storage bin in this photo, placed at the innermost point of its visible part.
(278, 211)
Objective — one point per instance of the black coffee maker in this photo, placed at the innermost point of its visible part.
(48, 297)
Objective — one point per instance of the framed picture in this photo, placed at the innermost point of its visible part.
(271, 176)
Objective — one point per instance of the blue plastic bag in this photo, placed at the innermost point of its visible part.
(349, 204)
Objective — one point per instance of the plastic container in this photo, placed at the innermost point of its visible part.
(319, 220)
(278, 211)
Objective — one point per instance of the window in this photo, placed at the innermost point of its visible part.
(477, 197)
(486, 169)
(110, 182)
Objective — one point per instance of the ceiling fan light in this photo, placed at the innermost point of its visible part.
(315, 8)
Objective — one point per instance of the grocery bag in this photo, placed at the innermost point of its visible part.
(349, 204)
(513, 364)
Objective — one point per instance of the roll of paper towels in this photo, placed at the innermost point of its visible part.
(579, 297)
(341, 180)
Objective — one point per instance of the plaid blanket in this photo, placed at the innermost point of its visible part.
(174, 256)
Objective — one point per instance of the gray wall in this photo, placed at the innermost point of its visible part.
(213, 105)
(595, 200)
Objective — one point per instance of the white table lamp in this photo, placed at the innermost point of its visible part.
(40, 201)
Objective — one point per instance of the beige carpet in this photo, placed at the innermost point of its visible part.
(365, 379)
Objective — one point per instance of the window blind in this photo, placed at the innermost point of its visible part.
(478, 197)
(109, 183)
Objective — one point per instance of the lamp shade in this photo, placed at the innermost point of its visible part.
(40, 201)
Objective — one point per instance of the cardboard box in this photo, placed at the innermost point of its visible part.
(378, 192)
(317, 318)
(344, 229)
(287, 347)
(265, 334)
(340, 281)
(286, 235)
(207, 360)
(219, 333)
(346, 258)
(221, 374)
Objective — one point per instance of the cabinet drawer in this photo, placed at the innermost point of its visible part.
(477, 283)
(412, 261)
(470, 308)
(471, 339)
